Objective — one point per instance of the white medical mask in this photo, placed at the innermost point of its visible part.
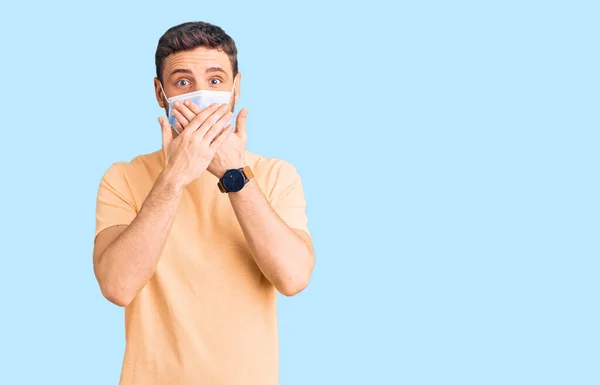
(202, 98)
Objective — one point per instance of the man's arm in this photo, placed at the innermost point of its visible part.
(125, 257)
(284, 255)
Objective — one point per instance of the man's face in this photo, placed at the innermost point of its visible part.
(198, 69)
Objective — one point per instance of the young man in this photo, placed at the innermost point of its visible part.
(195, 239)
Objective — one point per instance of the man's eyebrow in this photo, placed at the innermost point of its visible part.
(215, 69)
(180, 71)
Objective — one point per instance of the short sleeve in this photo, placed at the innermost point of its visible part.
(114, 205)
(288, 198)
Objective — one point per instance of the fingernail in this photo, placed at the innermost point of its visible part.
(176, 104)
(187, 102)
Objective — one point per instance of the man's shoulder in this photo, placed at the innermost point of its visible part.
(274, 175)
(269, 166)
(142, 162)
(143, 165)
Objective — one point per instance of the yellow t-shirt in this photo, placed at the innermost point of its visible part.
(208, 315)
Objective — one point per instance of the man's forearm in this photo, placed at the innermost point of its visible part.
(284, 258)
(130, 260)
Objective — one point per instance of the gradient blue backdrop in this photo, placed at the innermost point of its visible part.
(449, 153)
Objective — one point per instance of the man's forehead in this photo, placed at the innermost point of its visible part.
(198, 59)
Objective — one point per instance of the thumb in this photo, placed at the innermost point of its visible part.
(167, 133)
(240, 123)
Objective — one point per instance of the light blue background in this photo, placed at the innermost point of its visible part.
(449, 153)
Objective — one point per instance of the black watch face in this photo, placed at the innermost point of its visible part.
(233, 180)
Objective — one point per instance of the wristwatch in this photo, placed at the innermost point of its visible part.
(235, 179)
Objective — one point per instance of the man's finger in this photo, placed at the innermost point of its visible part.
(217, 127)
(167, 134)
(180, 118)
(193, 107)
(184, 110)
(210, 120)
(222, 137)
(201, 118)
(240, 123)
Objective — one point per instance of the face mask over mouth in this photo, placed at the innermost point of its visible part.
(202, 98)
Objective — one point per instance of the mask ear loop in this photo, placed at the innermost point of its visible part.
(163, 92)
(167, 100)
(233, 100)
(233, 89)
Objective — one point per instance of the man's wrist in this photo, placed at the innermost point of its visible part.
(171, 181)
(221, 173)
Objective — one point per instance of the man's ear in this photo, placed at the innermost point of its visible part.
(158, 93)
(238, 81)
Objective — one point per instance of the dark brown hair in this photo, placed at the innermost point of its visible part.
(191, 35)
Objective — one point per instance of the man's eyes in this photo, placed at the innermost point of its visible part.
(212, 82)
